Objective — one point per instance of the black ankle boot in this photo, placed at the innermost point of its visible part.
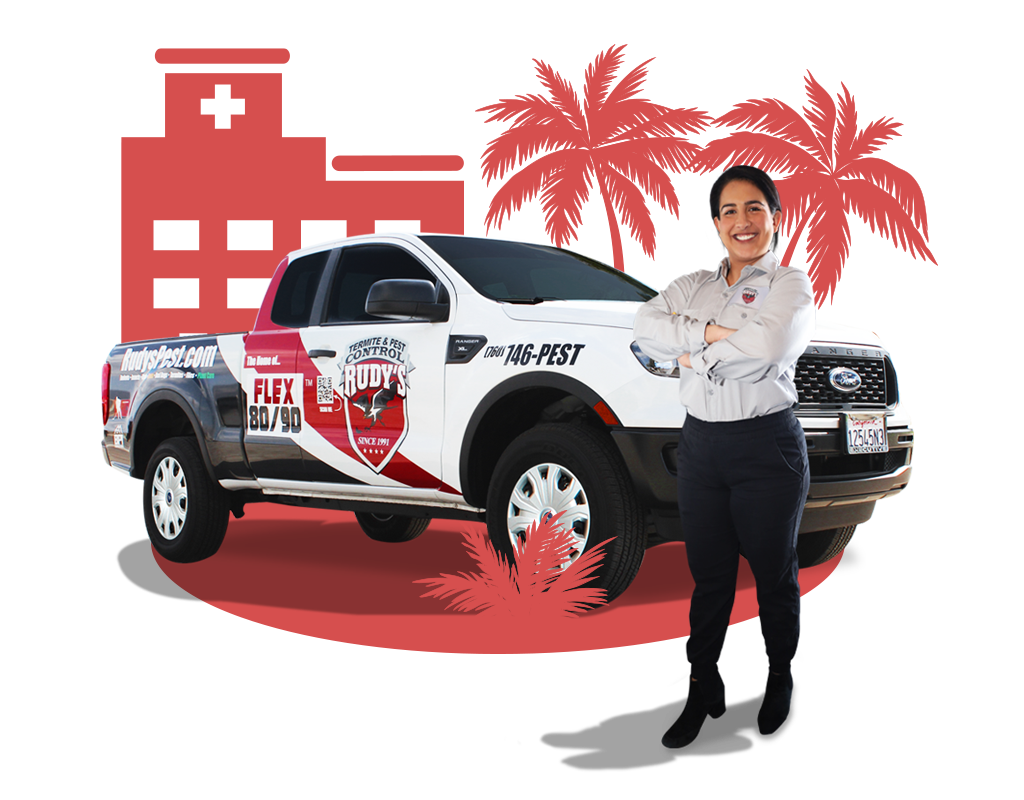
(775, 707)
(707, 696)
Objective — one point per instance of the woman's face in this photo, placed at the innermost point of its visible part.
(745, 223)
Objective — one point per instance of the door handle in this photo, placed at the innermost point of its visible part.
(322, 354)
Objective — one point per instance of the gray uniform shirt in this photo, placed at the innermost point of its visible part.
(750, 373)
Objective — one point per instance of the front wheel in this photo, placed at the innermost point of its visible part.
(818, 547)
(571, 469)
(186, 512)
(391, 527)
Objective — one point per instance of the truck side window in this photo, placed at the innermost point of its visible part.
(294, 300)
(359, 269)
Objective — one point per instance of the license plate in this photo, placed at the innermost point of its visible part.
(865, 433)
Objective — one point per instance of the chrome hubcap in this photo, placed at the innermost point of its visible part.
(170, 498)
(542, 492)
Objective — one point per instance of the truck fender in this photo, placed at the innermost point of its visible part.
(167, 395)
(530, 380)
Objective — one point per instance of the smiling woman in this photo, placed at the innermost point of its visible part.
(743, 471)
(747, 213)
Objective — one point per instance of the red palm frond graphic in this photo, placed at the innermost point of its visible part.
(538, 582)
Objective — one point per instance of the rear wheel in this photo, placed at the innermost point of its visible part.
(391, 527)
(821, 546)
(186, 512)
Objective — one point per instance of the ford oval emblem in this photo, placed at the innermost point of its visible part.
(844, 379)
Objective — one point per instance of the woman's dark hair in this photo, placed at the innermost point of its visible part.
(760, 179)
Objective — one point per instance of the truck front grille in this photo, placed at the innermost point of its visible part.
(814, 389)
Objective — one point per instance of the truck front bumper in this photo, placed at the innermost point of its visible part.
(844, 489)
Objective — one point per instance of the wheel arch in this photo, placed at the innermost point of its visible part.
(514, 406)
(163, 415)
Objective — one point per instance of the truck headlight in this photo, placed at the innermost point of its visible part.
(667, 369)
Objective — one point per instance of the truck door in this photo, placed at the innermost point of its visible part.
(373, 394)
(272, 384)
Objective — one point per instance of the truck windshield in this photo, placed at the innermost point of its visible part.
(515, 272)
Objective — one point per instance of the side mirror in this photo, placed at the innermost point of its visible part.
(403, 298)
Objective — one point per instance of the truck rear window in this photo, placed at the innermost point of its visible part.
(293, 302)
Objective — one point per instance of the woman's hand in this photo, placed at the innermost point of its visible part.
(684, 361)
(715, 333)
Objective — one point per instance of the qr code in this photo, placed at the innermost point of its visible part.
(324, 391)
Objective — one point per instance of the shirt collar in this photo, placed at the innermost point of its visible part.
(769, 262)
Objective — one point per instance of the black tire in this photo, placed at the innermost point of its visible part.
(186, 513)
(391, 527)
(821, 546)
(612, 507)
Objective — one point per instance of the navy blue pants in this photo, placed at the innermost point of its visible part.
(743, 485)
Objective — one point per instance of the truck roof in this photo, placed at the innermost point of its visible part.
(409, 236)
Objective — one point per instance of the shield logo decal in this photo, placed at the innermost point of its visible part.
(749, 295)
(375, 397)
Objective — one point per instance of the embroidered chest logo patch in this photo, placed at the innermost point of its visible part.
(748, 296)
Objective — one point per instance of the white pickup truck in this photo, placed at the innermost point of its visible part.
(408, 377)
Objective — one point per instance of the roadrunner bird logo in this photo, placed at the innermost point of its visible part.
(372, 407)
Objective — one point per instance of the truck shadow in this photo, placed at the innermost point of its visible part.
(333, 566)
